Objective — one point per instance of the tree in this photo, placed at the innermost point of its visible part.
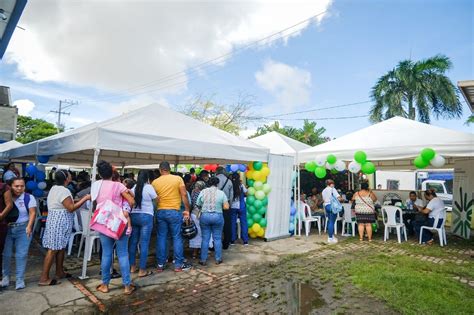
(415, 90)
(470, 120)
(309, 133)
(228, 117)
(29, 129)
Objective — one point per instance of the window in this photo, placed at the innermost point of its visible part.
(438, 188)
(393, 184)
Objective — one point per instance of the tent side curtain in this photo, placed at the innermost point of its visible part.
(278, 213)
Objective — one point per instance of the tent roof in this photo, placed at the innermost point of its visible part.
(144, 136)
(397, 140)
(280, 144)
(7, 146)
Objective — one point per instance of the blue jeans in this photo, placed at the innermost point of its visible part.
(427, 235)
(211, 223)
(242, 215)
(169, 221)
(16, 237)
(121, 247)
(142, 225)
(331, 217)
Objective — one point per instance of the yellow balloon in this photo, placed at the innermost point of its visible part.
(265, 171)
(257, 175)
(253, 235)
(250, 165)
(261, 233)
(256, 227)
(249, 174)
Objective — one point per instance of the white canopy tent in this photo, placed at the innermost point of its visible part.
(280, 144)
(6, 146)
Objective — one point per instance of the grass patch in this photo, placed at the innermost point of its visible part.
(412, 286)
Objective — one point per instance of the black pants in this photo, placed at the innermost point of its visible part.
(227, 229)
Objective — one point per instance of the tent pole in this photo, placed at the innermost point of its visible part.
(86, 228)
(298, 201)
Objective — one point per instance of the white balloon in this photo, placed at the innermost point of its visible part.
(40, 167)
(438, 161)
(340, 166)
(320, 160)
(330, 166)
(354, 167)
(42, 185)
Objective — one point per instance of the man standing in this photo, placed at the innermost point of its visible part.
(225, 184)
(171, 192)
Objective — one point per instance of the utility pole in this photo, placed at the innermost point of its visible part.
(63, 104)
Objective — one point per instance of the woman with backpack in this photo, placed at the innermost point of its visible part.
(365, 210)
(238, 210)
(59, 224)
(19, 233)
(142, 221)
(329, 193)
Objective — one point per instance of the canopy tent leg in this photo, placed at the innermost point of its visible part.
(298, 201)
(86, 228)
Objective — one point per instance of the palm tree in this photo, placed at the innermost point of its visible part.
(415, 90)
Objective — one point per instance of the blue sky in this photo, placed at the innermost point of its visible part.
(333, 63)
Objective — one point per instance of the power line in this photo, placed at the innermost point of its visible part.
(60, 112)
(208, 63)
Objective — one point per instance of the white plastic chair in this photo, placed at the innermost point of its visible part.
(348, 219)
(77, 231)
(389, 215)
(338, 219)
(308, 219)
(441, 230)
(93, 234)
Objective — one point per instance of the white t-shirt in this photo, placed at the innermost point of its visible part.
(56, 196)
(148, 195)
(436, 206)
(23, 211)
(236, 201)
(418, 202)
(327, 193)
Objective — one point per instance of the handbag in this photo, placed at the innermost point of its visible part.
(108, 217)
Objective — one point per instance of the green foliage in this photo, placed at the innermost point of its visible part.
(416, 90)
(470, 120)
(309, 133)
(30, 129)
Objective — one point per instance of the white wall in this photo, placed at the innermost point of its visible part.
(407, 179)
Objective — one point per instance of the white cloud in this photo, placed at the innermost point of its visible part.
(290, 85)
(123, 44)
(25, 107)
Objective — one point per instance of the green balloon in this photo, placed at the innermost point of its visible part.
(259, 194)
(257, 165)
(266, 188)
(265, 201)
(360, 157)
(251, 191)
(334, 171)
(263, 222)
(252, 210)
(420, 162)
(310, 166)
(250, 182)
(257, 217)
(262, 211)
(368, 168)
(249, 222)
(428, 154)
(258, 204)
(250, 200)
(320, 172)
(331, 159)
(198, 171)
(258, 185)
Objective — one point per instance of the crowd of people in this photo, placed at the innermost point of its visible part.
(160, 198)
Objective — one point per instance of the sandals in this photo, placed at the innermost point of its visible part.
(52, 282)
(102, 288)
(131, 290)
(148, 273)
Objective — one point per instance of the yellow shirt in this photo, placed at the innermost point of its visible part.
(167, 189)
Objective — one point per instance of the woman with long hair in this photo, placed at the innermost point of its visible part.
(19, 234)
(365, 210)
(238, 210)
(142, 221)
(59, 224)
(107, 189)
(195, 243)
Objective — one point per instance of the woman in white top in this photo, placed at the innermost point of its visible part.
(142, 221)
(59, 224)
(434, 208)
(19, 234)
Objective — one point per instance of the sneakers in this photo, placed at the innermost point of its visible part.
(5, 282)
(246, 244)
(184, 267)
(20, 285)
(332, 240)
(160, 268)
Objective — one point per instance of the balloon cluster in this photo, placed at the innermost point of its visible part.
(292, 217)
(428, 156)
(236, 168)
(211, 167)
(360, 163)
(37, 172)
(257, 198)
(321, 164)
